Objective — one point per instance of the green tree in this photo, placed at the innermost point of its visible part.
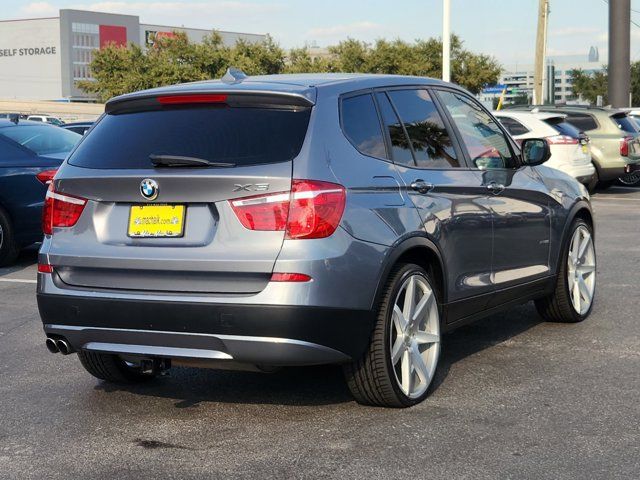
(588, 85)
(174, 59)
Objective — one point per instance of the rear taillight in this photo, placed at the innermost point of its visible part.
(312, 209)
(46, 177)
(60, 210)
(562, 140)
(624, 145)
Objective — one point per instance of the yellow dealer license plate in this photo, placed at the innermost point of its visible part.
(155, 221)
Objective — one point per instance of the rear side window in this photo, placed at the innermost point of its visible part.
(513, 126)
(582, 121)
(563, 127)
(625, 123)
(429, 137)
(361, 125)
(400, 149)
(10, 152)
(239, 135)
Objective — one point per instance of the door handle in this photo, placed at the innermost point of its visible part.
(421, 186)
(495, 188)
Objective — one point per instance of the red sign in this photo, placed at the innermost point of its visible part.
(113, 34)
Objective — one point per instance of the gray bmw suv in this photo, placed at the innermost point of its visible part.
(302, 220)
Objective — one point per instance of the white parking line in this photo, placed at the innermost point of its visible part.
(17, 280)
(616, 198)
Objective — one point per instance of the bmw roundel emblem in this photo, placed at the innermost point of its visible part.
(149, 189)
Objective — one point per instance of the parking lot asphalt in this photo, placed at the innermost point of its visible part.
(515, 398)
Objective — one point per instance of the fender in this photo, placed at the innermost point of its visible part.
(581, 204)
(395, 252)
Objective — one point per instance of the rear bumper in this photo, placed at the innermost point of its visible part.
(582, 173)
(254, 334)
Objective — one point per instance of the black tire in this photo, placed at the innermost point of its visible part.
(593, 183)
(371, 379)
(558, 307)
(111, 368)
(9, 249)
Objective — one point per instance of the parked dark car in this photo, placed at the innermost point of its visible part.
(78, 127)
(259, 222)
(30, 153)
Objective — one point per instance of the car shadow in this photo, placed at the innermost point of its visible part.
(616, 190)
(322, 385)
(26, 258)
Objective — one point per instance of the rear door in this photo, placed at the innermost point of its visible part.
(253, 143)
(448, 196)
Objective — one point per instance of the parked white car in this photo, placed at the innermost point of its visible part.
(570, 151)
(46, 119)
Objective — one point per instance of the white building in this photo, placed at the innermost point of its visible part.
(43, 58)
(518, 78)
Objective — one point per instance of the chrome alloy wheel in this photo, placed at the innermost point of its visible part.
(415, 336)
(581, 270)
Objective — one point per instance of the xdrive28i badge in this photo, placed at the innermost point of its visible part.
(149, 189)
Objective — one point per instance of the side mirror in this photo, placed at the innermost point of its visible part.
(535, 151)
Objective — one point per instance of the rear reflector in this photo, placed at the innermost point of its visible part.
(46, 177)
(312, 209)
(60, 210)
(290, 277)
(562, 140)
(199, 98)
(44, 268)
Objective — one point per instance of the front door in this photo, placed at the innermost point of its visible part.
(449, 197)
(517, 198)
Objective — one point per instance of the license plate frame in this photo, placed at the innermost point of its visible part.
(157, 228)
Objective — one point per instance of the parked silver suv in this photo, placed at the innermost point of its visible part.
(301, 220)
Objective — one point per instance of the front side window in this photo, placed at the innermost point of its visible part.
(582, 121)
(429, 137)
(361, 125)
(483, 139)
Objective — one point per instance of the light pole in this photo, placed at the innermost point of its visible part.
(619, 52)
(446, 40)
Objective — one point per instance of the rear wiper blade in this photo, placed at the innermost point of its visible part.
(159, 160)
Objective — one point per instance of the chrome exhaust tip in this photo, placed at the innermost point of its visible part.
(63, 346)
(51, 344)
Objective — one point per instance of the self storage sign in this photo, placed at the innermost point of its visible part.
(27, 51)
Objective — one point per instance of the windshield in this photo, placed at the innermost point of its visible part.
(237, 135)
(42, 139)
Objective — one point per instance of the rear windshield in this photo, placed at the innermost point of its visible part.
(42, 139)
(239, 135)
(625, 123)
(563, 127)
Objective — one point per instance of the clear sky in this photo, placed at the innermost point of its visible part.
(503, 28)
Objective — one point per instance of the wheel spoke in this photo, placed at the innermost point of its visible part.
(575, 294)
(423, 305)
(418, 363)
(399, 320)
(409, 299)
(397, 350)
(584, 290)
(426, 337)
(584, 243)
(585, 270)
(406, 372)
